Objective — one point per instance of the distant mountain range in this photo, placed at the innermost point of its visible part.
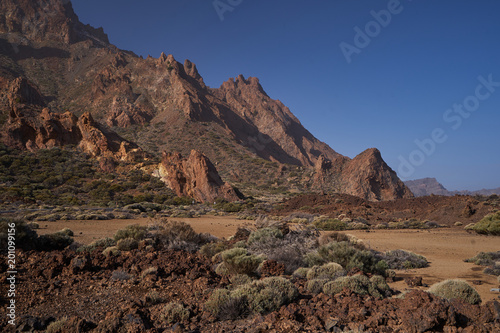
(428, 186)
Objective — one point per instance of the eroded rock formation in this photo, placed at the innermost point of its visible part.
(195, 177)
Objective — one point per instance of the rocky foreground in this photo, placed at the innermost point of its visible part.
(98, 293)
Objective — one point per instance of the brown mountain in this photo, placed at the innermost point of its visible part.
(428, 186)
(163, 105)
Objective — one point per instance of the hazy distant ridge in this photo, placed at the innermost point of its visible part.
(428, 186)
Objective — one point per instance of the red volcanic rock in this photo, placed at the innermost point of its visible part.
(47, 20)
(366, 176)
(274, 122)
(195, 177)
(33, 126)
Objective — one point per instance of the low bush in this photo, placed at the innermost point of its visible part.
(212, 249)
(459, 289)
(288, 250)
(239, 261)
(401, 259)
(264, 235)
(359, 284)
(315, 286)
(180, 236)
(490, 259)
(330, 224)
(329, 271)
(127, 244)
(57, 326)
(489, 225)
(349, 257)
(111, 251)
(68, 232)
(134, 231)
(260, 296)
(174, 312)
(301, 272)
(55, 241)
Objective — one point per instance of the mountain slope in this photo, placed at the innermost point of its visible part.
(164, 105)
(428, 186)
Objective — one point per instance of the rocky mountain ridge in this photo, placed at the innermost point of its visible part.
(159, 104)
(428, 186)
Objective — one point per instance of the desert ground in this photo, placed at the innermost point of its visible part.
(445, 249)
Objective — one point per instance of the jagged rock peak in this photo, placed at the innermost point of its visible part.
(47, 20)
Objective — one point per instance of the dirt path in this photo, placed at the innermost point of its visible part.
(446, 251)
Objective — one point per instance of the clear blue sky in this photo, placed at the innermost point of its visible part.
(395, 90)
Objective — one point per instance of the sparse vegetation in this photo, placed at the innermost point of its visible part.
(401, 259)
(490, 259)
(459, 289)
(239, 261)
(359, 284)
(489, 225)
(174, 312)
(260, 296)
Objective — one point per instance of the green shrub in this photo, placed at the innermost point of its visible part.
(55, 241)
(330, 224)
(264, 235)
(346, 255)
(240, 279)
(112, 250)
(222, 269)
(174, 312)
(211, 249)
(401, 259)
(259, 296)
(301, 272)
(359, 284)
(68, 232)
(329, 271)
(127, 244)
(450, 289)
(180, 236)
(239, 261)
(267, 295)
(485, 258)
(489, 225)
(56, 326)
(315, 286)
(134, 231)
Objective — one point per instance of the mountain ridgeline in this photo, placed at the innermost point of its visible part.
(63, 83)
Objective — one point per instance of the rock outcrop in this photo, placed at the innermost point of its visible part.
(44, 20)
(195, 177)
(31, 125)
(366, 176)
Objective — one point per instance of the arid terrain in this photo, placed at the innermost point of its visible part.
(135, 198)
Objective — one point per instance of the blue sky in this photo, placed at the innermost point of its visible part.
(405, 70)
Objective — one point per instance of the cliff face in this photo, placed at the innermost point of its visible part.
(366, 176)
(51, 63)
(194, 177)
